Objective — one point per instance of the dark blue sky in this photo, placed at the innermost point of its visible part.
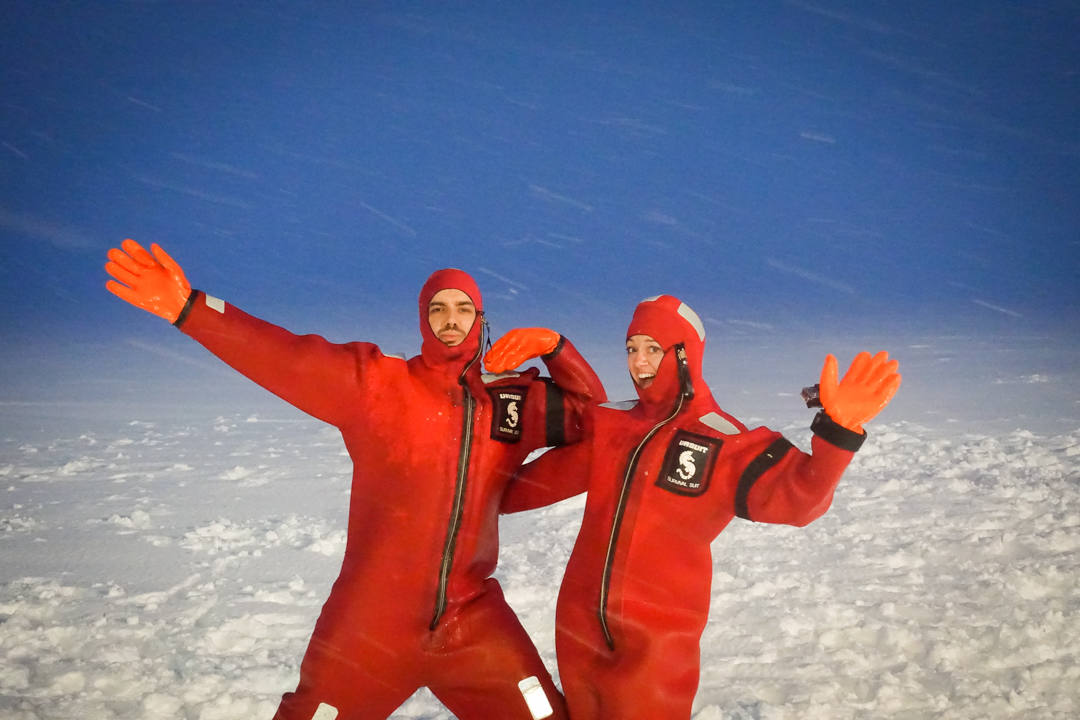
(807, 165)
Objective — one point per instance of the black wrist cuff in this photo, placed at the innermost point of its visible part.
(556, 351)
(827, 429)
(186, 309)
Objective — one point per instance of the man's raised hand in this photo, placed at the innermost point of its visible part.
(153, 282)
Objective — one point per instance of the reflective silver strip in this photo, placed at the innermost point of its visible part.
(325, 712)
(719, 423)
(691, 317)
(535, 698)
(215, 303)
(489, 378)
(620, 404)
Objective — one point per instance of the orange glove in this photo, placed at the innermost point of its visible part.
(154, 283)
(519, 345)
(866, 389)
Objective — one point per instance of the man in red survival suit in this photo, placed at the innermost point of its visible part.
(433, 446)
(664, 476)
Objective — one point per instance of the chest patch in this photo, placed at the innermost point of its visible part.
(508, 413)
(688, 463)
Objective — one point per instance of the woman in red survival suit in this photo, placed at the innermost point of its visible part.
(664, 476)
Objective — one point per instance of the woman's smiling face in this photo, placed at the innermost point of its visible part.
(643, 356)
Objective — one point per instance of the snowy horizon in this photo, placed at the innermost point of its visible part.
(171, 563)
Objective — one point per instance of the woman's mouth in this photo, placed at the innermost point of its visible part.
(644, 380)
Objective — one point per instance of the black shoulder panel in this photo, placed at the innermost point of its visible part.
(554, 415)
(758, 467)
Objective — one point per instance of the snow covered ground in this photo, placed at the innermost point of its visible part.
(169, 562)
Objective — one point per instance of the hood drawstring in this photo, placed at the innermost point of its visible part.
(686, 382)
(485, 341)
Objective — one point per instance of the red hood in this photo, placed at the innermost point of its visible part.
(434, 351)
(670, 322)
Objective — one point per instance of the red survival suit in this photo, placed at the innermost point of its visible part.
(433, 447)
(664, 477)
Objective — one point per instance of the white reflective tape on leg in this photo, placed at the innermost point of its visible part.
(215, 303)
(535, 698)
(324, 712)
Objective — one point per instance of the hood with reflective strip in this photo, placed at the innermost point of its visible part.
(670, 322)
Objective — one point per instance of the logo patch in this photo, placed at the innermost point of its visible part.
(508, 413)
(689, 463)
